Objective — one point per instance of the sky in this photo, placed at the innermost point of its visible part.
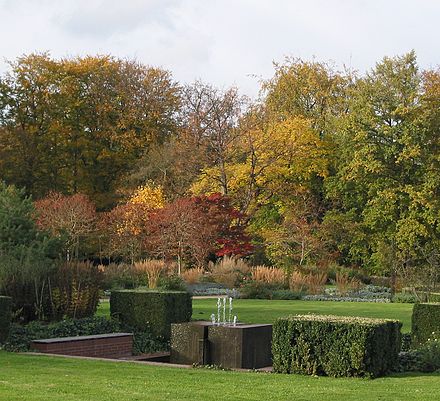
(223, 42)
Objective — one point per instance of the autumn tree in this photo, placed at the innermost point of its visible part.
(71, 218)
(124, 229)
(203, 144)
(78, 125)
(309, 89)
(188, 230)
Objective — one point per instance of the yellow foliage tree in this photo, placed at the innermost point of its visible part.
(149, 196)
(272, 159)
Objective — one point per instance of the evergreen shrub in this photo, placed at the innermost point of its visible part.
(151, 311)
(5, 317)
(335, 346)
(425, 322)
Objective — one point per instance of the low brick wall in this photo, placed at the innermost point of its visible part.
(114, 345)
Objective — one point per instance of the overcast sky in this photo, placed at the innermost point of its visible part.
(224, 42)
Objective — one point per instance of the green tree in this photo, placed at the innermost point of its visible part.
(26, 254)
(387, 166)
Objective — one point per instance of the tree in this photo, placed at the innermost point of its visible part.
(26, 254)
(311, 90)
(190, 229)
(70, 218)
(385, 174)
(125, 228)
(78, 125)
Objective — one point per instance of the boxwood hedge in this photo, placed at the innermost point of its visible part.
(425, 322)
(151, 311)
(335, 346)
(5, 317)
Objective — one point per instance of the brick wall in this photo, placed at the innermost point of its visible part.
(115, 345)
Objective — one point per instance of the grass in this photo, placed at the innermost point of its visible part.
(40, 378)
(263, 311)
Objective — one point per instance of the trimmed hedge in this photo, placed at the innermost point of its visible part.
(151, 311)
(425, 321)
(20, 337)
(5, 317)
(335, 345)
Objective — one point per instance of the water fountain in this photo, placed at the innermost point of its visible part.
(222, 341)
(221, 317)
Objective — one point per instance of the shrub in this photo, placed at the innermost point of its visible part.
(120, 276)
(153, 269)
(20, 337)
(369, 293)
(297, 282)
(426, 358)
(316, 283)
(351, 298)
(151, 311)
(406, 342)
(335, 346)
(381, 281)
(146, 343)
(405, 298)
(229, 270)
(256, 290)
(425, 322)
(212, 289)
(5, 317)
(428, 355)
(353, 273)
(269, 275)
(286, 295)
(171, 283)
(344, 283)
(192, 276)
(312, 283)
(74, 291)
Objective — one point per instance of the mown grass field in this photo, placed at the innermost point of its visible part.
(263, 311)
(40, 378)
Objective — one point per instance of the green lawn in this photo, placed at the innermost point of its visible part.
(263, 311)
(39, 378)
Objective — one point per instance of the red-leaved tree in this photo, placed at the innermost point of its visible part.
(190, 229)
(71, 218)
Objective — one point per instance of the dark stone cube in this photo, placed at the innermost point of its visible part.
(246, 346)
(189, 343)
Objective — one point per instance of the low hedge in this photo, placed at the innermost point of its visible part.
(21, 336)
(425, 322)
(5, 317)
(335, 346)
(151, 311)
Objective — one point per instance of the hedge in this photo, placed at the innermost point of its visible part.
(151, 311)
(21, 336)
(5, 317)
(425, 322)
(335, 345)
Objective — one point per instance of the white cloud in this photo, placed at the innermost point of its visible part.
(224, 42)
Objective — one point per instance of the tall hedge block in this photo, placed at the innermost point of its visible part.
(151, 311)
(335, 346)
(5, 317)
(425, 322)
